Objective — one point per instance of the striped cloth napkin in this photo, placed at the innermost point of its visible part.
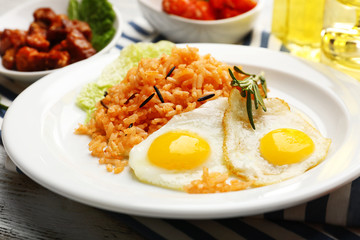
(334, 216)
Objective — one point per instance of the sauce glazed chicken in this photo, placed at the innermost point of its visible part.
(52, 41)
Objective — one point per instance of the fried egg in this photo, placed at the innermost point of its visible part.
(282, 146)
(175, 155)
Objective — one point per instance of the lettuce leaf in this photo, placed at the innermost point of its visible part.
(99, 14)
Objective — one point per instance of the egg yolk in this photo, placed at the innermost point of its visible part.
(178, 150)
(286, 146)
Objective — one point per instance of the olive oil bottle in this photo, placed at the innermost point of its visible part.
(340, 45)
(298, 23)
(279, 19)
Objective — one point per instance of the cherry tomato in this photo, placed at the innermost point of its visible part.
(176, 7)
(203, 10)
(194, 9)
(241, 5)
(229, 12)
(217, 4)
(207, 9)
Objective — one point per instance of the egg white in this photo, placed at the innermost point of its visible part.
(241, 142)
(206, 121)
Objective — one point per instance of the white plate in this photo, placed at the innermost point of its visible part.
(38, 136)
(21, 17)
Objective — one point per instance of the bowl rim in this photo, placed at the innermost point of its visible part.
(118, 31)
(256, 9)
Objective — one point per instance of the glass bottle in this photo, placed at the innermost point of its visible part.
(298, 23)
(340, 45)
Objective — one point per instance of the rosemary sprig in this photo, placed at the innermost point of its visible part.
(249, 86)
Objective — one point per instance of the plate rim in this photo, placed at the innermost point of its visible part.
(144, 210)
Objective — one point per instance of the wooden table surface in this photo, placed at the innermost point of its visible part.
(29, 211)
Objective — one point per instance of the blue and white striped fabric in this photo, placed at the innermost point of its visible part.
(334, 216)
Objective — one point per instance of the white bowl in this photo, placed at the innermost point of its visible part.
(179, 29)
(21, 17)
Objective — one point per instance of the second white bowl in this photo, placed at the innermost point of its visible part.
(179, 29)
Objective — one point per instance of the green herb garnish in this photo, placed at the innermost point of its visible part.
(99, 14)
(249, 86)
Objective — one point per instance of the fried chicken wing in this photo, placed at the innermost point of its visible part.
(59, 28)
(57, 59)
(11, 39)
(30, 59)
(8, 60)
(84, 28)
(62, 26)
(37, 36)
(62, 46)
(78, 46)
(45, 15)
(51, 41)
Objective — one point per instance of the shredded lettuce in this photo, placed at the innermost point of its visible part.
(115, 72)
